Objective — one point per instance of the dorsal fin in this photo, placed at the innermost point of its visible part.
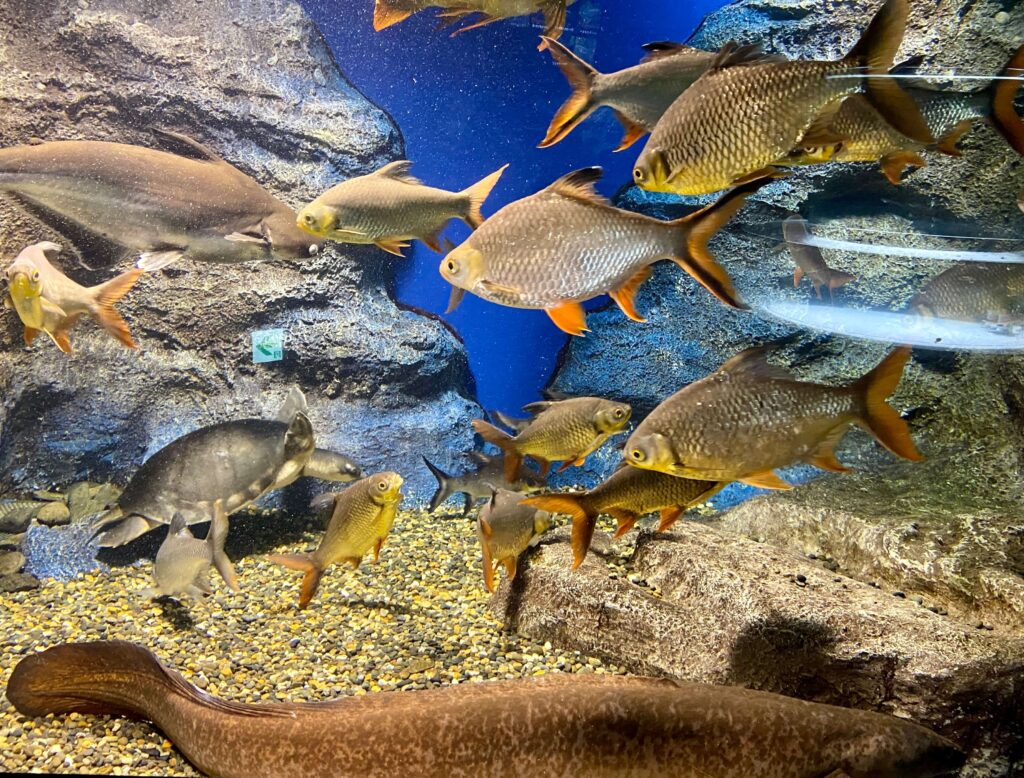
(580, 185)
(294, 403)
(734, 55)
(398, 171)
(660, 49)
(184, 146)
(753, 362)
(178, 524)
(540, 406)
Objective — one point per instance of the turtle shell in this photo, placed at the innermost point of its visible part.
(235, 462)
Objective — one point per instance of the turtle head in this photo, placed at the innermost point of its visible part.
(329, 466)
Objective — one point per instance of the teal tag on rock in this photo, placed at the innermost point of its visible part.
(267, 345)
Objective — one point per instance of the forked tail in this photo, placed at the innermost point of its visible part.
(1004, 91)
(105, 295)
(477, 194)
(443, 486)
(875, 51)
(580, 104)
(311, 580)
(876, 415)
(584, 519)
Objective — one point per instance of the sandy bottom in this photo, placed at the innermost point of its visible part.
(418, 618)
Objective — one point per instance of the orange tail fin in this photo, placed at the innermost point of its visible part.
(513, 459)
(105, 296)
(580, 103)
(305, 564)
(1004, 117)
(388, 12)
(584, 519)
(698, 228)
(477, 194)
(877, 416)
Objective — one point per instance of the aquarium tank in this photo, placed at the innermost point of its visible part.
(512, 387)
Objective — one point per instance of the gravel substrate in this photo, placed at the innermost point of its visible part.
(417, 619)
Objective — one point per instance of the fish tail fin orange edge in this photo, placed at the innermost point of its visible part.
(880, 418)
(698, 228)
(305, 564)
(580, 104)
(477, 194)
(876, 50)
(106, 295)
(1004, 117)
(583, 520)
(513, 460)
(104, 678)
(387, 13)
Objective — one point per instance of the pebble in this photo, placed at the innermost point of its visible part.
(54, 514)
(11, 562)
(1002, 17)
(417, 619)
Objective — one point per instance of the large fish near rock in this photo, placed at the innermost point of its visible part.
(639, 95)
(361, 519)
(626, 495)
(600, 726)
(750, 417)
(221, 468)
(389, 207)
(567, 244)
(113, 200)
(48, 301)
(748, 112)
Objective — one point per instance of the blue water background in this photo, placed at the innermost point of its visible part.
(469, 104)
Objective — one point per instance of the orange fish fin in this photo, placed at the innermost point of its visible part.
(477, 194)
(303, 563)
(392, 246)
(766, 480)
(825, 457)
(669, 516)
(544, 467)
(513, 460)
(837, 278)
(485, 528)
(798, 274)
(355, 561)
(580, 103)
(1004, 116)
(877, 416)
(584, 520)
(633, 131)
(377, 546)
(30, 335)
(554, 21)
(564, 466)
(894, 164)
(625, 295)
(569, 317)
(106, 295)
(511, 565)
(697, 229)
(947, 143)
(626, 520)
(387, 13)
(875, 51)
(433, 240)
(488, 565)
(482, 22)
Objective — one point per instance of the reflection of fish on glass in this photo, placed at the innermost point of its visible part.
(988, 293)
(809, 261)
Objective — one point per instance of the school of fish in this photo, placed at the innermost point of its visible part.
(724, 122)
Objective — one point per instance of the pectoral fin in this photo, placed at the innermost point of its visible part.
(30, 335)
(378, 544)
(455, 298)
(947, 143)
(766, 480)
(626, 520)
(392, 246)
(433, 240)
(495, 288)
(511, 564)
(569, 317)
(894, 164)
(151, 261)
(669, 516)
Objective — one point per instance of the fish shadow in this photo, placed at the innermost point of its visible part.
(791, 656)
(176, 613)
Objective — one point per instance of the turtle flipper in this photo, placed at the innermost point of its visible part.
(126, 531)
(216, 538)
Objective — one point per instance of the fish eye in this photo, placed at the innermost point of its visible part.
(35, 275)
(308, 218)
(618, 413)
(382, 486)
(639, 175)
(637, 455)
(451, 265)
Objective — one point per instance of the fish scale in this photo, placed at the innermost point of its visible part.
(974, 291)
(564, 430)
(357, 522)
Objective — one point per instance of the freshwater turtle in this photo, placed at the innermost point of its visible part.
(217, 470)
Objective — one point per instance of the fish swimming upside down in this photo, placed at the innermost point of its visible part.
(505, 529)
(361, 520)
(599, 726)
(115, 199)
(390, 206)
(566, 244)
(566, 431)
(626, 495)
(748, 112)
(48, 301)
(639, 95)
(220, 469)
(749, 418)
